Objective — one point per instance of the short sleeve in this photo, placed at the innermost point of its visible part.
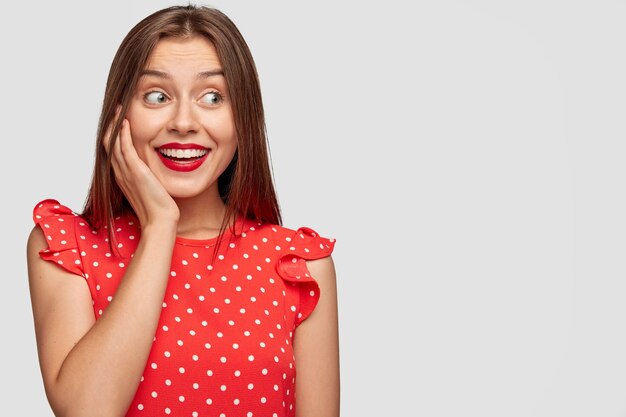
(304, 245)
(58, 225)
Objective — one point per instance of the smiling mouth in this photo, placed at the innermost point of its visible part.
(183, 155)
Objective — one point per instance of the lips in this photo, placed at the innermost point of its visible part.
(182, 157)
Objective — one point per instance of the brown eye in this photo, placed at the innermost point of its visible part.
(212, 98)
(155, 97)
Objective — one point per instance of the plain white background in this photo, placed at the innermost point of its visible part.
(467, 156)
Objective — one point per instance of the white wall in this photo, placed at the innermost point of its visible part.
(467, 156)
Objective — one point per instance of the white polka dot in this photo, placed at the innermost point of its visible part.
(251, 358)
(96, 264)
(195, 385)
(168, 382)
(168, 411)
(209, 401)
(181, 370)
(109, 275)
(209, 372)
(194, 357)
(237, 373)
(223, 387)
(223, 359)
(263, 400)
(194, 414)
(235, 346)
(181, 399)
(153, 365)
(264, 371)
(250, 386)
(195, 255)
(154, 394)
(236, 401)
(140, 406)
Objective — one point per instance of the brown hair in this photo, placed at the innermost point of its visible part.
(246, 186)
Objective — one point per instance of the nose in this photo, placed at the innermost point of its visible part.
(183, 120)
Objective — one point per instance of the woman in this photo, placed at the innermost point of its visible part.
(193, 300)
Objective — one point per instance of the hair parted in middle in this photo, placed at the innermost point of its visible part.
(246, 186)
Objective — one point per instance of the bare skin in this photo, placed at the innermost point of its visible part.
(94, 367)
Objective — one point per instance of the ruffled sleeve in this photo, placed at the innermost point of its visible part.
(58, 225)
(304, 245)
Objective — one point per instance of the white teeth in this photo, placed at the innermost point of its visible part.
(184, 153)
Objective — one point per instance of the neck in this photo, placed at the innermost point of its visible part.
(200, 216)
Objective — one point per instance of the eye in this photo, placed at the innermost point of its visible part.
(155, 97)
(212, 98)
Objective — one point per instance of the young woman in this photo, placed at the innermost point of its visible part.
(176, 291)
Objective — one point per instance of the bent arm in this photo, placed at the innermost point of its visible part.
(94, 367)
(316, 346)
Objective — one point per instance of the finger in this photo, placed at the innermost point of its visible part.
(110, 128)
(126, 145)
(117, 150)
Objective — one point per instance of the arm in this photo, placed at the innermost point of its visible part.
(316, 346)
(94, 367)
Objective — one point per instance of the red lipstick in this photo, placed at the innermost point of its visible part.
(172, 158)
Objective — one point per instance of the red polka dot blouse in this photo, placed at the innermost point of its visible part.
(224, 342)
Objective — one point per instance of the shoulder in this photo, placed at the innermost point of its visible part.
(303, 241)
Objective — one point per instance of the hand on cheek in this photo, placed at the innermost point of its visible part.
(147, 196)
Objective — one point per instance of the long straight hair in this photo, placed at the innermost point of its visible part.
(246, 186)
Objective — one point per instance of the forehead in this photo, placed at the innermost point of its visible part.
(197, 53)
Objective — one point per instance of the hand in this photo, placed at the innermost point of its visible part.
(147, 196)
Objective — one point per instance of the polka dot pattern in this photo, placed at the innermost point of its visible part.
(224, 341)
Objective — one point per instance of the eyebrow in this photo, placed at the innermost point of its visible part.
(165, 75)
